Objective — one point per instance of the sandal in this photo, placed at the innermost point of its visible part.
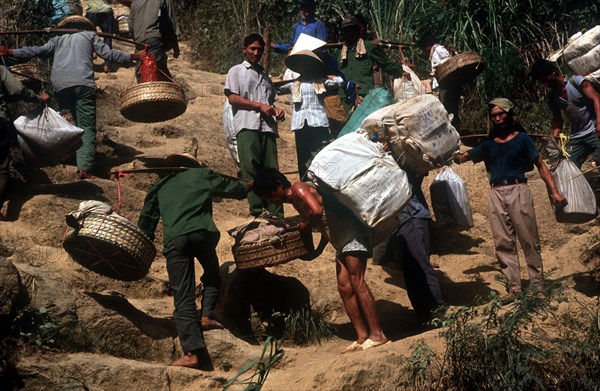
(353, 347)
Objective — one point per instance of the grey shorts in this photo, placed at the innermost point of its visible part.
(347, 234)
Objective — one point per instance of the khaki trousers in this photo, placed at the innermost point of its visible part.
(512, 216)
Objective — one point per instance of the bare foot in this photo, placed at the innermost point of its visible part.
(189, 360)
(210, 324)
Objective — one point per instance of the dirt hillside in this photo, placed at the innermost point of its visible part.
(131, 324)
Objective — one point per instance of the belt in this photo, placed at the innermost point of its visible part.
(507, 182)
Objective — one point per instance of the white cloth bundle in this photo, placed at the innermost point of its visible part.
(583, 54)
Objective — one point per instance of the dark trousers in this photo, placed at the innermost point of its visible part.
(180, 253)
(309, 141)
(580, 148)
(105, 21)
(422, 285)
(157, 47)
(81, 102)
(257, 150)
(450, 98)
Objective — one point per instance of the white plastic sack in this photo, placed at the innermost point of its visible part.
(364, 178)
(589, 62)
(572, 184)
(404, 88)
(229, 132)
(581, 44)
(423, 138)
(49, 138)
(450, 201)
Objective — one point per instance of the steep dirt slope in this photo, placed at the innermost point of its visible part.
(131, 321)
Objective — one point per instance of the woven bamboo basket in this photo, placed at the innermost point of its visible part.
(111, 246)
(153, 101)
(24, 70)
(460, 69)
(253, 255)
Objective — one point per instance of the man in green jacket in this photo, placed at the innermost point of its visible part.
(11, 90)
(184, 201)
(358, 55)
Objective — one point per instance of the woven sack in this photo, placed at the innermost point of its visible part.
(582, 54)
(363, 177)
(376, 99)
(153, 101)
(422, 137)
(111, 246)
(459, 69)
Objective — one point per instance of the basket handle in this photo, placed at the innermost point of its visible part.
(312, 251)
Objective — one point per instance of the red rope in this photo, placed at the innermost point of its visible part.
(119, 175)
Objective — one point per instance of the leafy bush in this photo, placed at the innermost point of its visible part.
(523, 347)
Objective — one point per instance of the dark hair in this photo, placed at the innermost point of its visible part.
(426, 40)
(310, 4)
(266, 181)
(542, 68)
(253, 38)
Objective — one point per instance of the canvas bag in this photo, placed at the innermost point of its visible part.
(334, 108)
(364, 178)
(450, 201)
(45, 137)
(583, 54)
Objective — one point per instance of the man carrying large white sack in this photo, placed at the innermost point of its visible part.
(508, 153)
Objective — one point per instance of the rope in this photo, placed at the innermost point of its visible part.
(563, 141)
(119, 175)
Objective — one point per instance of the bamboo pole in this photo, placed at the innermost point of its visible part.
(382, 44)
(69, 31)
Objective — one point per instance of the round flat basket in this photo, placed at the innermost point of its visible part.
(253, 255)
(111, 246)
(460, 69)
(153, 101)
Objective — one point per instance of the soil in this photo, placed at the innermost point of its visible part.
(116, 313)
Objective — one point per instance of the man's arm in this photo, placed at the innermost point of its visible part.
(593, 95)
(559, 199)
(387, 64)
(312, 208)
(150, 214)
(240, 102)
(462, 157)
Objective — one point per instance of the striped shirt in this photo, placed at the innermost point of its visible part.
(311, 111)
(253, 83)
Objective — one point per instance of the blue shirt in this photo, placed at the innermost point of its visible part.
(579, 108)
(417, 205)
(72, 58)
(506, 161)
(314, 28)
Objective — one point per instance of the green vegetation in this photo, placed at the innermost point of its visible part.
(529, 345)
(260, 367)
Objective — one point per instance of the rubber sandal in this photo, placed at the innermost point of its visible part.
(369, 343)
(353, 347)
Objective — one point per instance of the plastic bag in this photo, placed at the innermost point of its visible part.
(45, 137)
(364, 178)
(376, 99)
(572, 184)
(229, 132)
(148, 68)
(450, 201)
